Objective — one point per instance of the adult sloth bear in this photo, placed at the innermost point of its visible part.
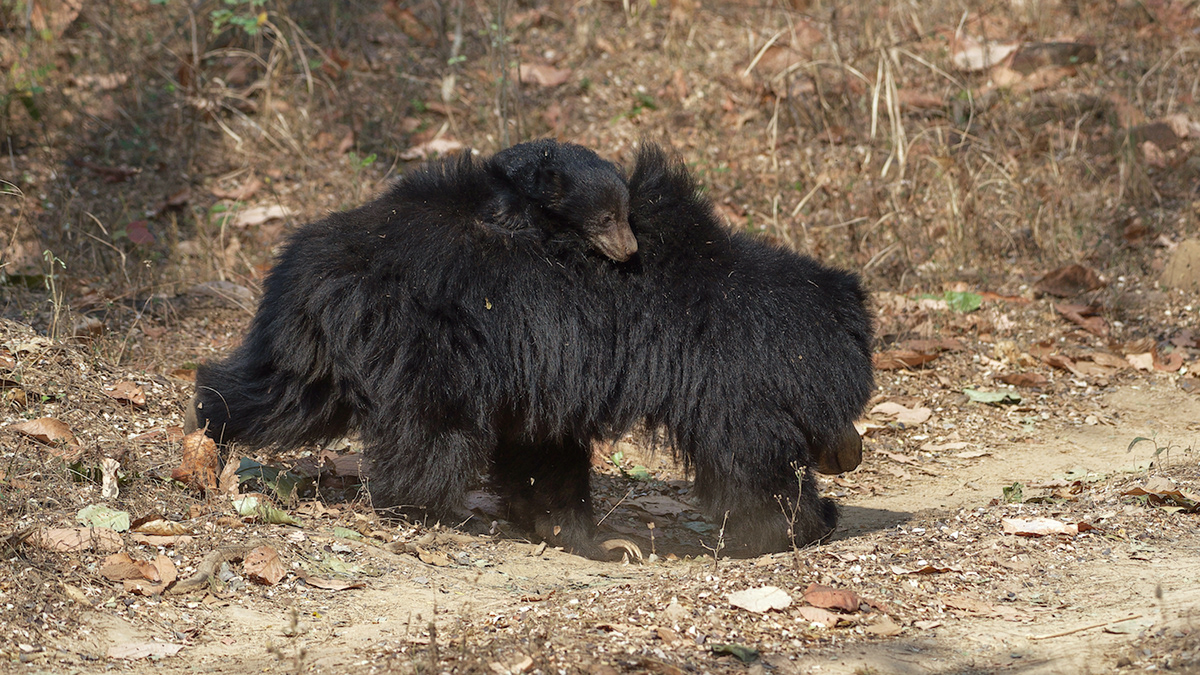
(463, 324)
(754, 360)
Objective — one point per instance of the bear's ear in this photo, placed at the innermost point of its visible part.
(531, 168)
(515, 165)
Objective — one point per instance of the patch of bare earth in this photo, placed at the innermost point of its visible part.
(940, 574)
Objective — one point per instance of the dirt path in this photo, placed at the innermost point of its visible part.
(987, 602)
(1160, 585)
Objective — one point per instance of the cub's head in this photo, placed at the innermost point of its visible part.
(576, 190)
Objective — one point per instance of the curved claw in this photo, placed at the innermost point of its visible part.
(842, 455)
(610, 545)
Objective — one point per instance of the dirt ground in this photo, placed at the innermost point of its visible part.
(1018, 184)
(940, 586)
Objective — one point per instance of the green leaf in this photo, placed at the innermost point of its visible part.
(646, 100)
(992, 397)
(1014, 494)
(282, 483)
(957, 301)
(639, 472)
(99, 515)
(347, 533)
(252, 507)
(962, 301)
(1139, 439)
(742, 652)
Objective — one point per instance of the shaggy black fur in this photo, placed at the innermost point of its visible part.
(461, 325)
(753, 359)
(440, 321)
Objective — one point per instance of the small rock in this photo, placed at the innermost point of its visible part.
(1183, 269)
(675, 612)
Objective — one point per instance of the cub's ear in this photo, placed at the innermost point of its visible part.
(516, 161)
(531, 168)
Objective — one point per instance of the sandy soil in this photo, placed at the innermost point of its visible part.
(943, 589)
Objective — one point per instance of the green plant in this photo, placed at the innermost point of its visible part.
(22, 86)
(360, 163)
(637, 472)
(1164, 450)
(248, 15)
(1014, 494)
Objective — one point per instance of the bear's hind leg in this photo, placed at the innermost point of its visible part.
(421, 471)
(547, 484)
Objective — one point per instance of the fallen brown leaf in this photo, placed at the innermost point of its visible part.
(198, 462)
(902, 414)
(1069, 281)
(544, 75)
(161, 527)
(408, 23)
(1085, 317)
(53, 18)
(432, 557)
(1025, 379)
(260, 214)
(1110, 360)
(437, 146)
(973, 55)
(66, 540)
(1141, 361)
(1169, 362)
(262, 565)
(884, 626)
(159, 575)
(1153, 154)
(895, 359)
(157, 540)
(138, 232)
(828, 597)
(818, 616)
(1061, 361)
(761, 599)
(109, 485)
(119, 567)
(129, 392)
(47, 430)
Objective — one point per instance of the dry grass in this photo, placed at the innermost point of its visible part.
(821, 147)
